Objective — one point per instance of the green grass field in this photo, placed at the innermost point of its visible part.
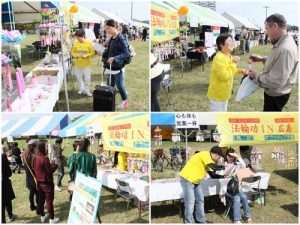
(281, 196)
(61, 200)
(191, 89)
(136, 79)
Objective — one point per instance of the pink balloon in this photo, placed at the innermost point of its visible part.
(54, 133)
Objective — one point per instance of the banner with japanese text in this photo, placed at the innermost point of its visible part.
(257, 128)
(128, 133)
(164, 24)
(85, 200)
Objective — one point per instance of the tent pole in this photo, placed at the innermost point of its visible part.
(186, 142)
(62, 57)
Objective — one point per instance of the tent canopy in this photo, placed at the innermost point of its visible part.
(203, 16)
(162, 119)
(239, 21)
(107, 15)
(34, 125)
(84, 15)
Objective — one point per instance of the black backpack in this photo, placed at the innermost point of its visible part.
(233, 186)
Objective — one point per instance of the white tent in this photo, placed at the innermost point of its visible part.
(107, 15)
(239, 21)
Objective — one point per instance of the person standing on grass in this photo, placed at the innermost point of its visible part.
(82, 51)
(59, 158)
(16, 151)
(28, 157)
(7, 190)
(281, 67)
(223, 70)
(118, 52)
(43, 170)
(191, 175)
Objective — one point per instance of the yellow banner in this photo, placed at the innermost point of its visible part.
(257, 128)
(164, 24)
(129, 133)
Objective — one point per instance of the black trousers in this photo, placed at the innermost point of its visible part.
(275, 104)
(155, 83)
(33, 192)
(6, 205)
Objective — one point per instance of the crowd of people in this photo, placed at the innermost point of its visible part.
(39, 167)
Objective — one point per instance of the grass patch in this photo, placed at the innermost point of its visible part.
(136, 79)
(191, 89)
(61, 200)
(281, 196)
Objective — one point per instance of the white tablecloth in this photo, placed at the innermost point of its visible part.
(139, 188)
(28, 103)
(170, 189)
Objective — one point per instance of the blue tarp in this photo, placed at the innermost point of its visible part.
(163, 119)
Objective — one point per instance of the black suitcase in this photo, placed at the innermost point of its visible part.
(104, 98)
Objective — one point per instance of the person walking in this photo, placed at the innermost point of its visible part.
(59, 158)
(16, 152)
(280, 68)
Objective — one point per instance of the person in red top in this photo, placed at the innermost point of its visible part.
(43, 170)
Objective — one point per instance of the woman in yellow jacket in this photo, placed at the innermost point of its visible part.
(221, 78)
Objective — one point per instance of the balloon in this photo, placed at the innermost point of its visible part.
(74, 9)
(54, 133)
(183, 10)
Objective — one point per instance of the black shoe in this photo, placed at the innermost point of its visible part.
(33, 207)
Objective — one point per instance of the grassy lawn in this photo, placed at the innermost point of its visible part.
(281, 196)
(136, 81)
(61, 201)
(191, 89)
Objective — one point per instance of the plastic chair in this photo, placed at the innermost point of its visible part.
(124, 191)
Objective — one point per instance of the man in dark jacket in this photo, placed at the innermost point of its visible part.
(59, 159)
(16, 151)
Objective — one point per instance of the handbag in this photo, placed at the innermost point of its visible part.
(246, 88)
(233, 186)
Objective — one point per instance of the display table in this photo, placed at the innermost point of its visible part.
(41, 97)
(139, 188)
(170, 189)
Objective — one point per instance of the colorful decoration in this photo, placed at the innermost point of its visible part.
(73, 9)
(54, 133)
(183, 10)
(12, 36)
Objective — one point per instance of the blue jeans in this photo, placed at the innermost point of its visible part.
(236, 207)
(192, 194)
(61, 173)
(118, 79)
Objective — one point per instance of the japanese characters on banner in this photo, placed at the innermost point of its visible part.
(129, 133)
(164, 24)
(186, 120)
(85, 200)
(257, 129)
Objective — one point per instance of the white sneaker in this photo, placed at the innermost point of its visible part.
(14, 216)
(57, 188)
(55, 220)
(44, 218)
(88, 93)
(80, 92)
(237, 221)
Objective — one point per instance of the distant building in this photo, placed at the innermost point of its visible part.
(207, 4)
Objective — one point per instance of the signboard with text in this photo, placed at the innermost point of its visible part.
(186, 120)
(85, 200)
(164, 24)
(257, 128)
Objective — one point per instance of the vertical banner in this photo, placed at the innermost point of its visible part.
(85, 201)
(129, 133)
(257, 128)
(164, 23)
(186, 120)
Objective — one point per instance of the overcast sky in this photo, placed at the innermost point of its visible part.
(121, 8)
(254, 11)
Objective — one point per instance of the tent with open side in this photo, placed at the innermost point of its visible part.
(239, 21)
(34, 125)
(107, 15)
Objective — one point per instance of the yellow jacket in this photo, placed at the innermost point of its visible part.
(221, 77)
(196, 168)
(122, 161)
(80, 49)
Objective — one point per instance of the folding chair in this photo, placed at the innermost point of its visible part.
(124, 191)
(248, 184)
(166, 83)
(184, 62)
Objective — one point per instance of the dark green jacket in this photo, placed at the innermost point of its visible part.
(84, 162)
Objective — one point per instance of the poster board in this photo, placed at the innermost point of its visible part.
(85, 201)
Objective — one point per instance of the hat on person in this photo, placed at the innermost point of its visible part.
(156, 67)
(217, 150)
